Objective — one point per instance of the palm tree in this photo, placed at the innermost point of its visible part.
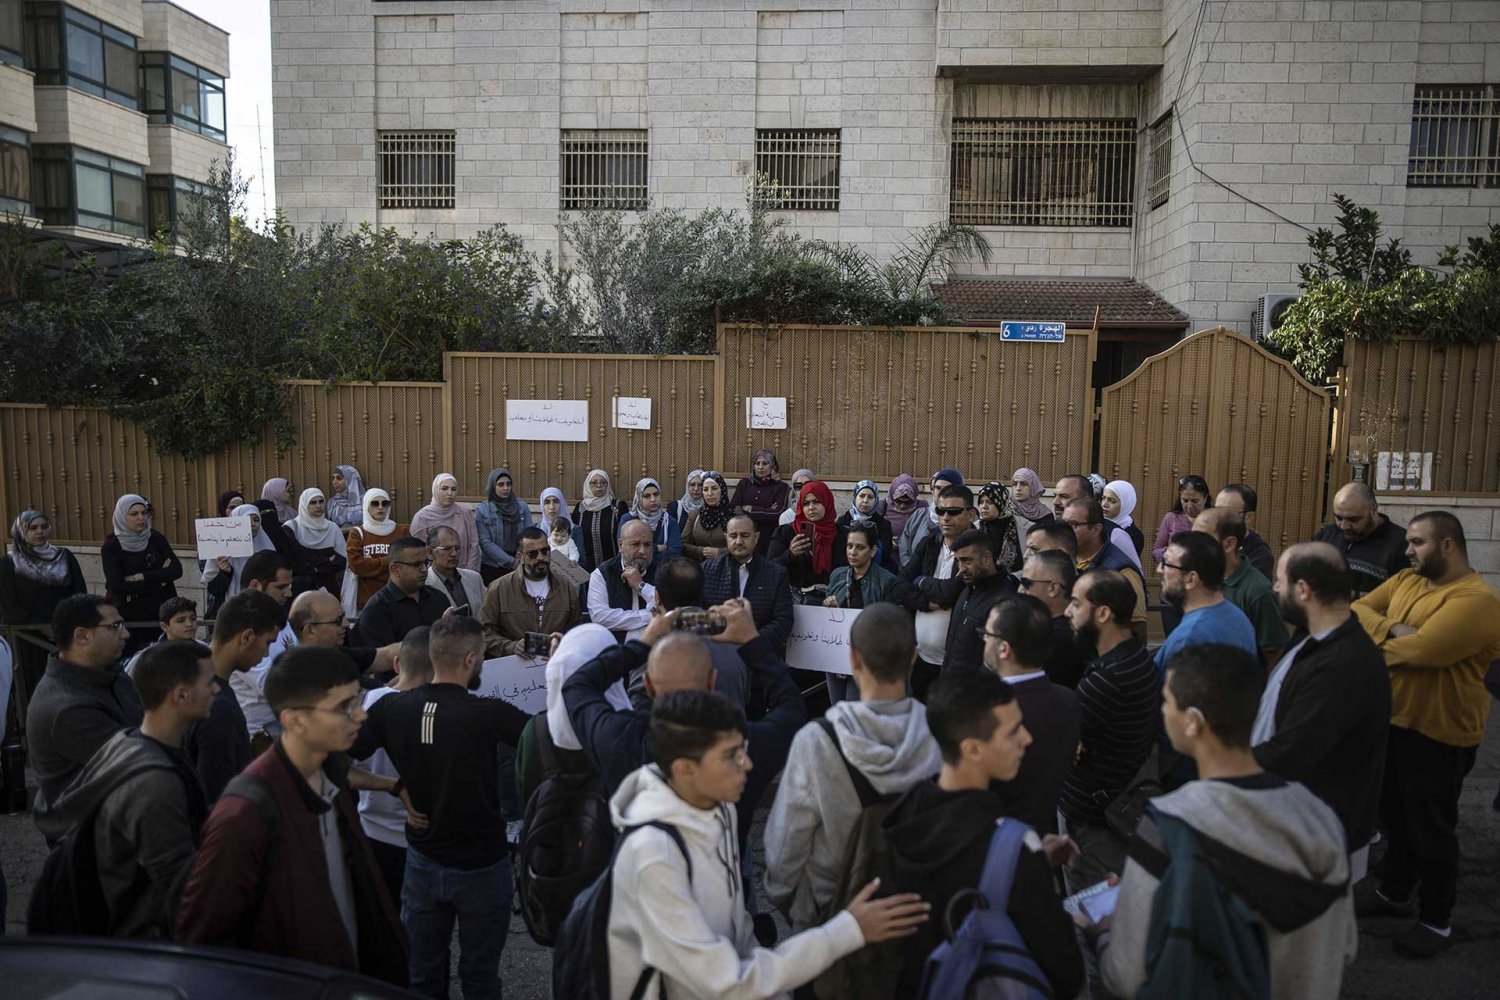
(900, 291)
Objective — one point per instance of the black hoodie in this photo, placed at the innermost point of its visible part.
(938, 842)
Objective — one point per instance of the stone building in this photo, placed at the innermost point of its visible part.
(1183, 145)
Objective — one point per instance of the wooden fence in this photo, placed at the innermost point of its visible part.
(861, 403)
(1440, 402)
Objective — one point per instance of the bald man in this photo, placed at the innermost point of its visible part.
(1325, 713)
(1374, 546)
(620, 591)
(316, 619)
(1244, 586)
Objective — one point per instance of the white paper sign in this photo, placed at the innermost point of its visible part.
(518, 680)
(223, 536)
(632, 413)
(820, 638)
(765, 413)
(1403, 470)
(547, 419)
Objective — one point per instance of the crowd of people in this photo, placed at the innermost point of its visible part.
(1006, 751)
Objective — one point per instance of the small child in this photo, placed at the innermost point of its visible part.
(178, 619)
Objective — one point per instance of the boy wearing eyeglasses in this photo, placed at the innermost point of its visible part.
(285, 868)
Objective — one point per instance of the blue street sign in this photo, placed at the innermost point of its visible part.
(1051, 333)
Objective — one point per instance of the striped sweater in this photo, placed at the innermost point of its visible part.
(1119, 700)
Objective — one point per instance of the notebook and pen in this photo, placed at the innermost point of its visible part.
(1094, 903)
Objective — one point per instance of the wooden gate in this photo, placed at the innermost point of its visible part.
(1219, 406)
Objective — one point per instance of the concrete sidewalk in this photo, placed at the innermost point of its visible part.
(1469, 971)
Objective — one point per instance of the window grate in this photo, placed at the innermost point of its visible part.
(417, 169)
(1455, 137)
(604, 169)
(1043, 172)
(804, 166)
(1160, 188)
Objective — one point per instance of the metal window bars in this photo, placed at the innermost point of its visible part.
(1159, 188)
(604, 169)
(1043, 172)
(417, 169)
(1455, 137)
(804, 166)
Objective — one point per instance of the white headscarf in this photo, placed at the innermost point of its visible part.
(1126, 493)
(544, 520)
(316, 532)
(132, 541)
(653, 520)
(262, 541)
(591, 503)
(687, 506)
(580, 645)
(385, 527)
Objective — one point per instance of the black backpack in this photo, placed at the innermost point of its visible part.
(567, 837)
(580, 960)
(67, 897)
(872, 972)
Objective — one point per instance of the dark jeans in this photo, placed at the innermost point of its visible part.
(392, 863)
(1419, 808)
(432, 898)
(922, 676)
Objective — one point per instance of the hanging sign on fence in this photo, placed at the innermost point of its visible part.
(1403, 470)
(1047, 333)
(631, 413)
(765, 413)
(820, 638)
(546, 420)
(519, 680)
(223, 536)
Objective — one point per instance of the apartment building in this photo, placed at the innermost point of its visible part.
(111, 113)
(1163, 159)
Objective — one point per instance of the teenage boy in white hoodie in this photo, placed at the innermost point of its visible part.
(883, 735)
(694, 928)
(1249, 820)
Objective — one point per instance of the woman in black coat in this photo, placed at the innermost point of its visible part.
(34, 579)
(139, 567)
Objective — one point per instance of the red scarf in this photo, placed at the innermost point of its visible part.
(823, 531)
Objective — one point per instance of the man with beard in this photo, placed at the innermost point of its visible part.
(1327, 705)
(444, 742)
(1372, 542)
(1093, 551)
(1119, 701)
(985, 584)
(1438, 625)
(1049, 577)
(621, 594)
(532, 600)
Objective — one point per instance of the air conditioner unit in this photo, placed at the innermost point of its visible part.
(1268, 313)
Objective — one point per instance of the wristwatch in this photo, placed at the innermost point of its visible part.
(397, 787)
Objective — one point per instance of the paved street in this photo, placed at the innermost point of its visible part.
(1470, 971)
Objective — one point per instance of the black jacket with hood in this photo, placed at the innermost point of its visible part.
(151, 810)
(938, 842)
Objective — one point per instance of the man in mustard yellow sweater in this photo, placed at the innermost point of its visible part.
(1438, 625)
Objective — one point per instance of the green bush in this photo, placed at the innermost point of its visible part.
(195, 339)
(1355, 287)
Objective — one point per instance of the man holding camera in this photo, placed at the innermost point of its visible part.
(531, 599)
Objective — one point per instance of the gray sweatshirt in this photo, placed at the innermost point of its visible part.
(1287, 828)
(816, 805)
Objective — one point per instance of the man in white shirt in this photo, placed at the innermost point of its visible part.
(932, 570)
(620, 594)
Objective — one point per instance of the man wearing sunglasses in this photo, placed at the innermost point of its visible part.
(83, 699)
(1049, 576)
(407, 601)
(933, 570)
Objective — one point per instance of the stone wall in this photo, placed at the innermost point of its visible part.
(1480, 517)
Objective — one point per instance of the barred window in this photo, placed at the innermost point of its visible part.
(1160, 187)
(803, 164)
(1043, 172)
(417, 169)
(1455, 137)
(604, 169)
